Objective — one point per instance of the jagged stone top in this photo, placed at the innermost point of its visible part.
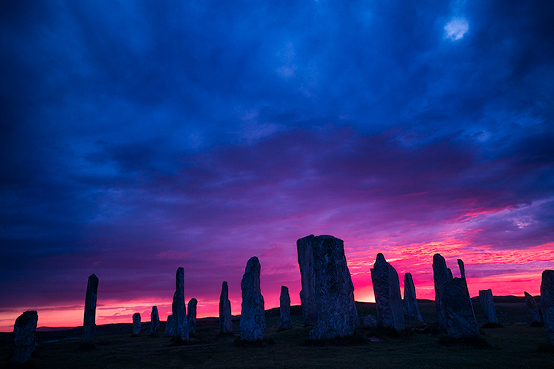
(93, 282)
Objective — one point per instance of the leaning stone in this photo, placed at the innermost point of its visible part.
(225, 322)
(337, 315)
(411, 307)
(532, 306)
(24, 331)
(441, 275)
(307, 294)
(547, 303)
(252, 316)
(169, 327)
(181, 333)
(462, 268)
(487, 303)
(136, 324)
(458, 310)
(89, 322)
(154, 321)
(386, 287)
(284, 309)
(368, 321)
(191, 315)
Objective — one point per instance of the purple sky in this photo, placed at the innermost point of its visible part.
(137, 137)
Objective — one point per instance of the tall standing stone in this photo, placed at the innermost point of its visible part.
(337, 315)
(191, 315)
(547, 303)
(252, 316)
(284, 309)
(89, 322)
(441, 275)
(458, 310)
(487, 303)
(225, 322)
(411, 307)
(136, 324)
(181, 333)
(169, 326)
(24, 331)
(386, 287)
(154, 321)
(532, 306)
(462, 268)
(307, 294)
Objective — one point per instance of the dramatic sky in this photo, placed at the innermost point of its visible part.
(140, 136)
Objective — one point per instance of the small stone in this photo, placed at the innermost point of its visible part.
(547, 303)
(532, 306)
(181, 333)
(411, 307)
(154, 321)
(368, 321)
(89, 322)
(252, 316)
(458, 309)
(136, 324)
(284, 309)
(24, 331)
(386, 287)
(487, 303)
(306, 264)
(225, 322)
(169, 327)
(191, 315)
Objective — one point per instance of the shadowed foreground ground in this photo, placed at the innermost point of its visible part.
(514, 346)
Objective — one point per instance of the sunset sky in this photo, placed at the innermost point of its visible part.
(140, 136)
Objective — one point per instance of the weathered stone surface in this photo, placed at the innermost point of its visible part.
(89, 322)
(136, 324)
(547, 303)
(154, 321)
(411, 307)
(178, 309)
(369, 321)
(533, 308)
(458, 310)
(252, 316)
(169, 327)
(337, 315)
(487, 303)
(24, 331)
(386, 287)
(441, 275)
(284, 309)
(191, 315)
(307, 294)
(225, 323)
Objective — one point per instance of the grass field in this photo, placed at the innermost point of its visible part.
(516, 345)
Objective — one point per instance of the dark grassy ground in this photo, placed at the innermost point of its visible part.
(515, 345)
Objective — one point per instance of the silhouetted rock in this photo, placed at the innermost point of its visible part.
(532, 306)
(169, 327)
(89, 322)
(136, 324)
(386, 287)
(369, 321)
(181, 333)
(458, 310)
(547, 303)
(154, 321)
(225, 323)
(284, 309)
(252, 317)
(441, 275)
(487, 303)
(191, 315)
(24, 331)
(462, 268)
(337, 315)
(411, 307)
(307, 294)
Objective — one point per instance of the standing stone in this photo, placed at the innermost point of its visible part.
(547, 303)
(487, 303)
(191, 315)
(284, 309)
(24, 331)
(136, 324)
(169, 327)
(89, 323)
(386, 287)
(462, 268)
(307, 294)
(458, 310)
(225, 322)
(411, 307)
(441, 275)
(337, 315)
(154, 322)
(252, 316)
(532, 306)
(181, 333)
